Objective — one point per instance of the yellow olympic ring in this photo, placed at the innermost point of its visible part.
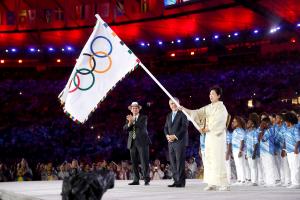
(104, 70)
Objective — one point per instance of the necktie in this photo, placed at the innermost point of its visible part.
(133, 130)
(173, 116)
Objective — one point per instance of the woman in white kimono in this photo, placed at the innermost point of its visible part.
(215, 115)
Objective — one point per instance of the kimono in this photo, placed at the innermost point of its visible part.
(215, 117)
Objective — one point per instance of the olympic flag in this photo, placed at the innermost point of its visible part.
(103, 62)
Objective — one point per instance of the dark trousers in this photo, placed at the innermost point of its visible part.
(177, 161)
(141, 153)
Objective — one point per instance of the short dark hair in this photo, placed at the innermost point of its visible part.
(280, 115)
(217, 89)
(254, 117)
(266, 120)
(240, 121)
(291, 117)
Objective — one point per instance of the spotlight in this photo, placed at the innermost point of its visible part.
(293, 40)
(6, 50)
(2, 61)
(32, 50)
(142, 44)
(13, 50)
(178, 41)
(173, 55)
(236, 34)
(273, 30)
(192, 53)
(255, 31)
(148, 44)
(20, 61)
(69, 48)
(197, 39)
(298, 25)
(58, 60)
(160, 42)
(229, 36)
(62, 49)
(172, 42)
(50, 49)
(203, 39)
(216, 36)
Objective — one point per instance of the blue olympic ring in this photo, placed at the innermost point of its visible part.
(94, 53)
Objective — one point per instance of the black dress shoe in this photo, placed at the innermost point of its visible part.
(134, 183)
(180, 185)
(173, 185)
(147, 182)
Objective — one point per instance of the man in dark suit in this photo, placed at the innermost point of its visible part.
(138, 142)
(176, 131)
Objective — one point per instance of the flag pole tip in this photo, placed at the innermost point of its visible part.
(97, 16)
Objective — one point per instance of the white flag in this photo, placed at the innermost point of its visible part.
(102, 63)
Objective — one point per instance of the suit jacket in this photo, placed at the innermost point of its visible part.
(141, 132)
(179, 127)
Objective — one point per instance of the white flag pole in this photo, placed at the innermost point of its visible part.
(169, 95)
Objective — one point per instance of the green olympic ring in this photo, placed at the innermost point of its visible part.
(80, 72)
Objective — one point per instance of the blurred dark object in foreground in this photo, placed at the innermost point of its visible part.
(87, 185)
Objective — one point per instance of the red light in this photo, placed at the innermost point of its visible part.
(58, 60)
(20, 61)
(2, 61)
(192, 53)
(173, 55)
(293, 40)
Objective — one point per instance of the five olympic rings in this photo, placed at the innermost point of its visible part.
(92, 65)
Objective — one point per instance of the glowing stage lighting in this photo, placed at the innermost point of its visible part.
(178, 41)
(160, 42)
(173, 54)
(13, 50)
(50, 49)
(197, 39)
(142, 44)
(20, 61)
(216, 36)
(255, 31)
(2, 61)
(192, 53)
(32, 50)
(236, 34)
(58, 60)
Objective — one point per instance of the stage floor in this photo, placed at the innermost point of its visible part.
(158, 190)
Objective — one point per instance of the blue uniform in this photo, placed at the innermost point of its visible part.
(252, 139)
(279, 132)
(292, 136)
(267, 143)
(228, 137)
(202, 142)
(237, 136)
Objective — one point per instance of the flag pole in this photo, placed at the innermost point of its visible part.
(169, 95)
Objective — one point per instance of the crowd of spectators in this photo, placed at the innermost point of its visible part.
(21, 171)
(33, 125)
